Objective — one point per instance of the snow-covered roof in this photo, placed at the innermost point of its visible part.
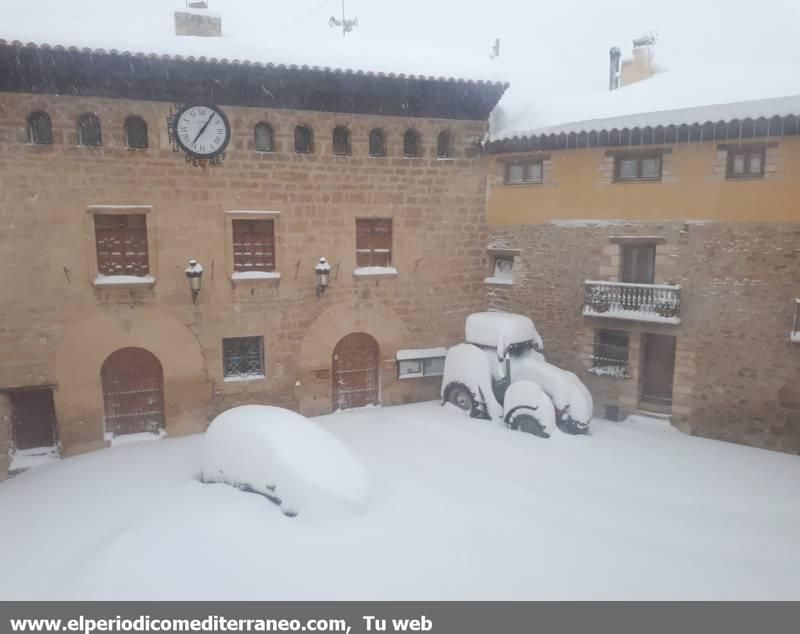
(279, 50)
(670, 97)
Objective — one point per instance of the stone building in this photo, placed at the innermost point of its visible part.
(100, 333)
(653, 234)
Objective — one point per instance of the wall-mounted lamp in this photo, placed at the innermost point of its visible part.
(323, 271)
(194, 273)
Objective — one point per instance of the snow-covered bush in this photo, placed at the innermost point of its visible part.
(285, 457)
(572, 401)
(467, 370)
(527, 408)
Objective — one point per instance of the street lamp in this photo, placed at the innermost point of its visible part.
(323, 271)
(194, 273)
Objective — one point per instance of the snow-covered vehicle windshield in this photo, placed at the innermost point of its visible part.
(507, 333)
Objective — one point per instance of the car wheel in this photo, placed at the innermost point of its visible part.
(569, 425)
(527, 423)
(460, 396)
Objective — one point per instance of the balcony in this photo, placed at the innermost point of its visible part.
(656, 303)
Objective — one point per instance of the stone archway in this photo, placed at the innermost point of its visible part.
(133, 392)
(84, 349)
(356, 371)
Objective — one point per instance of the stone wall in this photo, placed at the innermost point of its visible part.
(197, 24)
(737, 374)
(59, 326)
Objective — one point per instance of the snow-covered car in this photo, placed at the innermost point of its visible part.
(504, 351)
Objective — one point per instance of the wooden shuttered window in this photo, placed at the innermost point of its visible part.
(121, 241)
(253, 245)
(374, 242)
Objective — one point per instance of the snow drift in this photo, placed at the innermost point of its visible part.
(285, 457)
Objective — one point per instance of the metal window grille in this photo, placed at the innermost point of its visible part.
(121, 242)
(89, 131)
(40, 130)
(377, 143)
(411, 143)
(135, 132)
(444, 147)
(303, 140)
(253, 245)
(341, 141)
(263, 135)
(243, 357)
(374, 242)
(611, 351)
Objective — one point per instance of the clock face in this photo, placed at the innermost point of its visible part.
(202, 131)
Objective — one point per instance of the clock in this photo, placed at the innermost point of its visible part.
(202, 132)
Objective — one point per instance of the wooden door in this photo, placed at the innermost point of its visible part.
(658, 368)
(133, 392)
(33, 418)
(355, 371)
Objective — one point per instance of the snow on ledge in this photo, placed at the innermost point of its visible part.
(130, 439)
(375, 271)
(420, 353)
(123, 280)
(27, 458)
(242, 379)
(632, 315)
(795, 336)
(244, 276)
(252, 212)
(499, 280)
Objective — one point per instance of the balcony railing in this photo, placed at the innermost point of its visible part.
(660, 303)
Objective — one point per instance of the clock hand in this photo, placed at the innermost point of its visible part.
(203, 129)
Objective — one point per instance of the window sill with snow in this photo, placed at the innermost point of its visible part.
(243, 378)
(124, 281)
(255, 276)
(500, 281)
(375, 271)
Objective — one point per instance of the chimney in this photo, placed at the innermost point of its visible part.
(196, 21)
(614, 68)
(641, 65)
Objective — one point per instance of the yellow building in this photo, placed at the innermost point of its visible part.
(653, 234)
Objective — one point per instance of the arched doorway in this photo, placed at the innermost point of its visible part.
(355, 371)
(133, 392)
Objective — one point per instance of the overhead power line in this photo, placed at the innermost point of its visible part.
(305, 15)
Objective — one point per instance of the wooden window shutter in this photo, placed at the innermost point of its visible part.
(374, 242)
(121, 241)
(253, 245)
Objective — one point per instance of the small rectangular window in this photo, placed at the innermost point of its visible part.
(637, 168)
(243, 358)
(517, 173)
(611, 352)
(253, 245)
(121, 242)
(373, 242)
(746, 162)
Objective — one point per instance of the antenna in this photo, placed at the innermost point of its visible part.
(347, 25)
(495, 49)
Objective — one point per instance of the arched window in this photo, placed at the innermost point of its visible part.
(444, 145)
(341, 141)
(40, 130)
(89, 132)
(263, 133)
(377, 143)
(303, 140)
(411, 144)
(135, 132)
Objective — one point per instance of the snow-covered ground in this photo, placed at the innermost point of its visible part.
(459, 509)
